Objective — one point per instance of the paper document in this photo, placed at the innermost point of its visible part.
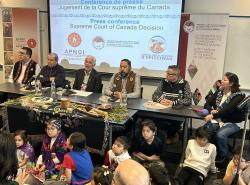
(82, 93)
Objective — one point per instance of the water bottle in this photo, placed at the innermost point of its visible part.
(53, 89)
(123, 99)
(38, 87)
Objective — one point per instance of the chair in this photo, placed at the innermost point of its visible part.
(236, 135)
(100, 89)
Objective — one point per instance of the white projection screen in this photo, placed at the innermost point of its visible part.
(143, 31)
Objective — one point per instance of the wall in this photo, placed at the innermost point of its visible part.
(234, 7)
(42, 6)
(237, 52)
(238, 43)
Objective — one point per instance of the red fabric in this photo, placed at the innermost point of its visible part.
(183, 45)
(68, 162)
(106, 160)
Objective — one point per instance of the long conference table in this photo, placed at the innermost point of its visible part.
(135, 107)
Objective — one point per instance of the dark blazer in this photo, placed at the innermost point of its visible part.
(56, 71)
(94, 83)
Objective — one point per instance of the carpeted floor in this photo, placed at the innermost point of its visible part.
(171, 157)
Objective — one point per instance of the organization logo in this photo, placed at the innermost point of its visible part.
(157, 44)
(188, 26)
(98, 42)
(74, 39)
(31, 43)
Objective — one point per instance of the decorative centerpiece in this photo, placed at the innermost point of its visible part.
(65, 103)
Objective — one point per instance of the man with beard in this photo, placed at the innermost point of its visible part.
(124, 80)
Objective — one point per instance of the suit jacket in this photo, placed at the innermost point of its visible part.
(94, 83)
(56, 71)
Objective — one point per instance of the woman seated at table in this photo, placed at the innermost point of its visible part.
(224, 118)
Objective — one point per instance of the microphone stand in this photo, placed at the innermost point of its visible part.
(28, 85)
(236, 178)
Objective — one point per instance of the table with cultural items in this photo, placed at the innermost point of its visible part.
(90, 113)
(31, 112)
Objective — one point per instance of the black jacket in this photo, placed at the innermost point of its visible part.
(94, 83)
(229, 111)
(56, 71)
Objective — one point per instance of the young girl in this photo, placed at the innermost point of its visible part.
(53, 148)
(25, 152)
(102, 176)
(118, 153)
(149, 147)
(77, 163)
(199, 160)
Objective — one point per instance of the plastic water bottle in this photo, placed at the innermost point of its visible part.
(38, 87)
(53, 89)
(123, 99)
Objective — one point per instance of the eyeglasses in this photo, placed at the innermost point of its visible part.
(21, 53)
(171, 74)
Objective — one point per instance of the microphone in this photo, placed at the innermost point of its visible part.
(245, 102)
(68, 91)
(31, 79)
(113, 89)
(112, 97)
(28, 85)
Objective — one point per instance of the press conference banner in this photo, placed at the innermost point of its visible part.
(202, 52)
(19, 28)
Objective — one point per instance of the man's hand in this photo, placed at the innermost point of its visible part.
(153, 158)
(166, 102)
(52, 78)
(117, 94)
(214, 111)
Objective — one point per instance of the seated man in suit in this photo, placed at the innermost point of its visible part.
(25, 68)
(126, 80)
(52, 71)
(172, 91)
(88, 79)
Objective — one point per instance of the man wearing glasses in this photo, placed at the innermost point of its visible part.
(172, 91)
(25, 68)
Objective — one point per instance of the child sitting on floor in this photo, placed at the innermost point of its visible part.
(244, 171)
(77, 163)
(199, 160)
(118, 153)
(25, 152)
(102, 176)
(159, 175)
(53, 148)
(148, 147)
